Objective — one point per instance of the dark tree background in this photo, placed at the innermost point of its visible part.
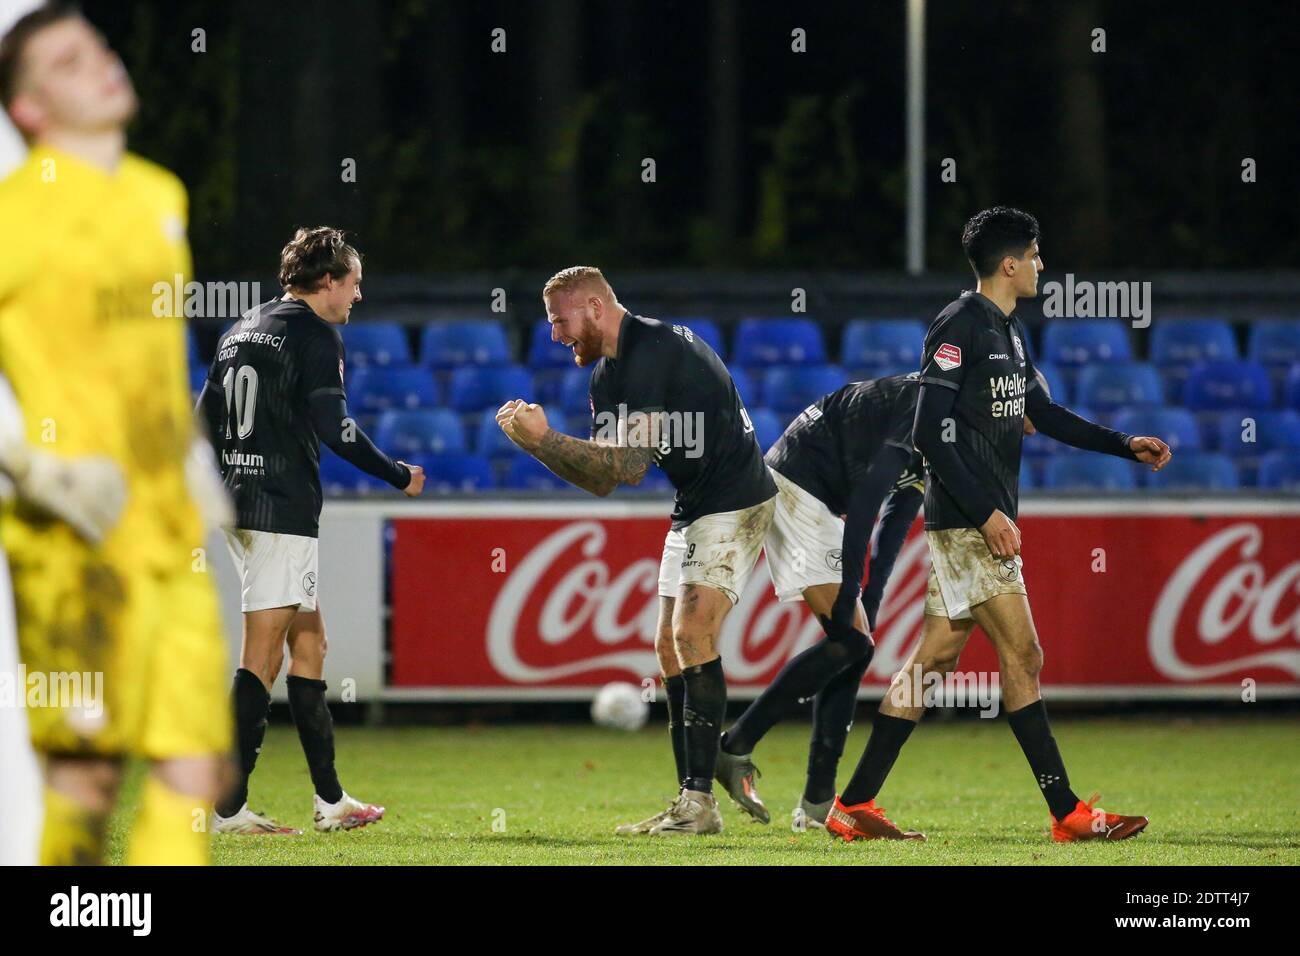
(468, 159)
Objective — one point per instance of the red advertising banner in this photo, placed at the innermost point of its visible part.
(1127, 604)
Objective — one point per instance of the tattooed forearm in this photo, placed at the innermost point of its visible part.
(595, 468)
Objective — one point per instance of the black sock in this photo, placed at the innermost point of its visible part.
(676, 687)
(833, 710)
(888, 734)
(802, 677)
(703, 709)
(251, 704)
(316, 732)
(1034, 734)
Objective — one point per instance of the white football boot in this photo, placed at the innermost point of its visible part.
(248, 822)
(694, 814)
(811, 816)
(347, 814)
(646, 825)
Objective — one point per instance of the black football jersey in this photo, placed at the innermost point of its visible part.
(976, 350)
(706, 444)
(831, 444)
(267, 368)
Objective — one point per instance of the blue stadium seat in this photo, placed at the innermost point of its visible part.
(768, 426)
(338, 477)
(1192, 471)
(1057, 383)
(1028, 477)
(1274, 342)
(376, 343)
(706, 329)
(448, 345)
(473, 387)
(1110, 387)
(1190, 342)
(421, 431)
(873, 343)
(574, 391)
(1178, 345)
(1071, 343)
(790, 389)
(1280, 471)
(454, 471)
(1275, 430)
(491, 442)
(526, 473)
(1216, 386)
(543, 353)
(1175, 426)
(747, 386)
(1089, 473)
(765, 342)
(375, 389)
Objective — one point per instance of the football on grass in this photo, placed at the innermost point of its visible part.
(619, 706)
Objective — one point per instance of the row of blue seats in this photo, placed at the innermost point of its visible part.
(1235, 433)
(1213, 386)
(1190, 471)
(1245, 441)
(459, 471)
(441, 431)
(865, 343)
(1198, 471)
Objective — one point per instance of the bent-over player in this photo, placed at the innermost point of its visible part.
(659, 394)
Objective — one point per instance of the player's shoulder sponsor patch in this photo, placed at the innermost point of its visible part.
(947, 357)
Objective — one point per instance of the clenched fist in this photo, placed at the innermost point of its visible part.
(524, 423)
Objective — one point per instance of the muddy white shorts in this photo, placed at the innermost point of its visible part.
(964, 573)
(718, 550)
(803, 545)
(277, 570)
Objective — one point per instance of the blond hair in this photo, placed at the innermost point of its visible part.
(576, 277)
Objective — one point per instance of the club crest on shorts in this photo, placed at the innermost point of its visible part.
(835, 559)
(309, 583)
(1008, 570)
(947, 357)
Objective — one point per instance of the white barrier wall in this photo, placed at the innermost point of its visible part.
(350, 594)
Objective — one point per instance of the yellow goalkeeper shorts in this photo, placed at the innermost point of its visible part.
(120, 663)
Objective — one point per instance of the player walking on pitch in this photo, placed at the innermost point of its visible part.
(841, 456)
(274, 392)
(977, 386)
(659, 394)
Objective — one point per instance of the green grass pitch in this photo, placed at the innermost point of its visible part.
(1217, 791)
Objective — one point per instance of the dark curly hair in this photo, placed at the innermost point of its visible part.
(995, 233)
(314, 253)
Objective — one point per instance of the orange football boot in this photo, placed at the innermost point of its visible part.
(864, 821)
(1086, 823)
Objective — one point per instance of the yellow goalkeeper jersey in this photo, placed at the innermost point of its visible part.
(92, 340)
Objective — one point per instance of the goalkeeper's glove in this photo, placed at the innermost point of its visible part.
(87, 493)
(206, 487)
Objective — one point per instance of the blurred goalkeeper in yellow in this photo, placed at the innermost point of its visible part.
(104, 532)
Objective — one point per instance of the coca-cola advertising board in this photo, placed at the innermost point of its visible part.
(1135, 599)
